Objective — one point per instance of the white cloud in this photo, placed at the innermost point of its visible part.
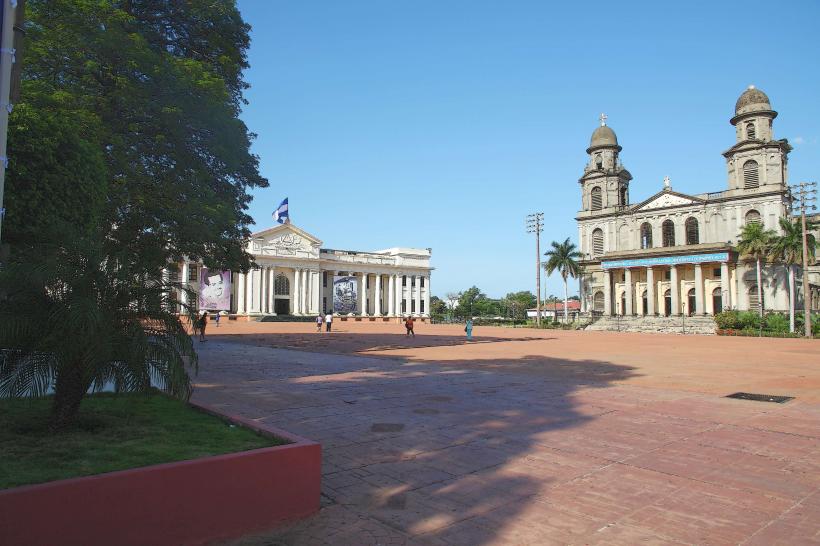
(799, 140)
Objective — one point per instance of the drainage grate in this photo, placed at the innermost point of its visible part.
(761, 397)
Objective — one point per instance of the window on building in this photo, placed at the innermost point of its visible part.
(624, 196)
(412, 306)
(667, 275)
(412, 281)
(281, 285)
(597, 242)
(692, 232)
(367, 281)
(324, 305)
(193, 273)
(324, 279)
(717, 301)
(752, 217)
(422, 282)
(421, 309)
(750, 130)
(404, 280)
(751, 174)
(599, 161)
(595, 196)
(716, 273)
(668, 232)
(646, 235)
(754, 302)
(598, 302)
(690, 304)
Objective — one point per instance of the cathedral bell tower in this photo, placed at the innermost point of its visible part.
(757, 162)
(605, 183)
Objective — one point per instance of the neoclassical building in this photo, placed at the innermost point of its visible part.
(294, 275)
(675, 253)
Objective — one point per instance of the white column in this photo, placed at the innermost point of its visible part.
(272, 290)
(264, 285)
(391, 295)
(725, 292)
(629, 299)
(698, 289)
(315, 291)
(183, 294)
(400, 295)
(607, 292)
(377, 295)
(305, 292)
(427, 296)
(650, 291)
(675, 288)
(417, 294)
(240, 293)
(255, 290)
(362, 294)
(297, 291)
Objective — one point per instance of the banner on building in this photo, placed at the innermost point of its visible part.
(344, 294)
(214, 290)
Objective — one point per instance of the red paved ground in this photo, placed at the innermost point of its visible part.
(534, 437)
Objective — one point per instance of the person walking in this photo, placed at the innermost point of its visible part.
(203, 322)
(409, 325)
(216, 319)
(328, 321)
(319, 321)
(469, 329)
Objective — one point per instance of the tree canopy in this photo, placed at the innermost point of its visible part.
(154, 89)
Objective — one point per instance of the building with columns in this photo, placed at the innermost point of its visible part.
(294, 276)
(674, 253)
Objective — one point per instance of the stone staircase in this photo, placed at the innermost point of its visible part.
(664, 325)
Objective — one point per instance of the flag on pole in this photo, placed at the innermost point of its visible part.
(281, 213)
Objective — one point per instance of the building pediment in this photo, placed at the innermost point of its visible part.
(286, 240)
(668, 198)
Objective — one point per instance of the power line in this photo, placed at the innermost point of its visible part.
(535, 224)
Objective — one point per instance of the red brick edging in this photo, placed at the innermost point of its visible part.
(186, 502)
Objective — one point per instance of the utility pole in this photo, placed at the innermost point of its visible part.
(535, 224)
(806, 195)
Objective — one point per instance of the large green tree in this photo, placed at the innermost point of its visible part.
(157, 86)
(563, 257)
(787, 248)
(754, 243)
(519, 302)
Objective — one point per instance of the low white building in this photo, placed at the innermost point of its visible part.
(294, 275)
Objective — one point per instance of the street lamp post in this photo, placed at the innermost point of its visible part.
(535, 224)
(806, 195)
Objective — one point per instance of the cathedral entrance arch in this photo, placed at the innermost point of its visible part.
(598, 302)
(717, 301)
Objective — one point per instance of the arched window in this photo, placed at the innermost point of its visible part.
(597, 242)
(624, 196)
(668, 232)
(646, 235)
(599, 161)
(644, 303)
(692, 233)
(717, 301)
(667, 303)
(281, 286)
(750, 130)
(754, 303)
(751, 174)
(596, 198)
(598, 302)
(692, 306)
(752, 217)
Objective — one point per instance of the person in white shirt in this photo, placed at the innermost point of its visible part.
(318, 323)
(328, 321)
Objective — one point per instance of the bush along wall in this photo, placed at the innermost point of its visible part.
(774, 324)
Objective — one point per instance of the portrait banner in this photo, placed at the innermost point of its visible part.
(214, 290)
(344, 294)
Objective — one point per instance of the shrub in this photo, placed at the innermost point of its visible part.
(728, 320)
(749, 320)
(777, 322)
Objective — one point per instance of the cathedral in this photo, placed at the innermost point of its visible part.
(674, 253)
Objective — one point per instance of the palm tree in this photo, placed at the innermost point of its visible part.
(788, 248)
(754, 241)
(76, 318)
(562, 257)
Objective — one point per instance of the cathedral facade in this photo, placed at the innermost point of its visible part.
(674, 253)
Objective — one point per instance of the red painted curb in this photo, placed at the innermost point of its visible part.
(186, 502)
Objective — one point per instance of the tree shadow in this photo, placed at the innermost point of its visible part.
(459, 452)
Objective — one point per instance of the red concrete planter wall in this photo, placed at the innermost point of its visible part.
(187, 502)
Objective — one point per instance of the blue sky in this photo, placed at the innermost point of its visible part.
(443, 123)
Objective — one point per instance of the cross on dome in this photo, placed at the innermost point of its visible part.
(603, 119)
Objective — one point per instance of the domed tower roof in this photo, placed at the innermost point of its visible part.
(752, 100)
(603, 137)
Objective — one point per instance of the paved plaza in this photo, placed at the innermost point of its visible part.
(533, 437)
